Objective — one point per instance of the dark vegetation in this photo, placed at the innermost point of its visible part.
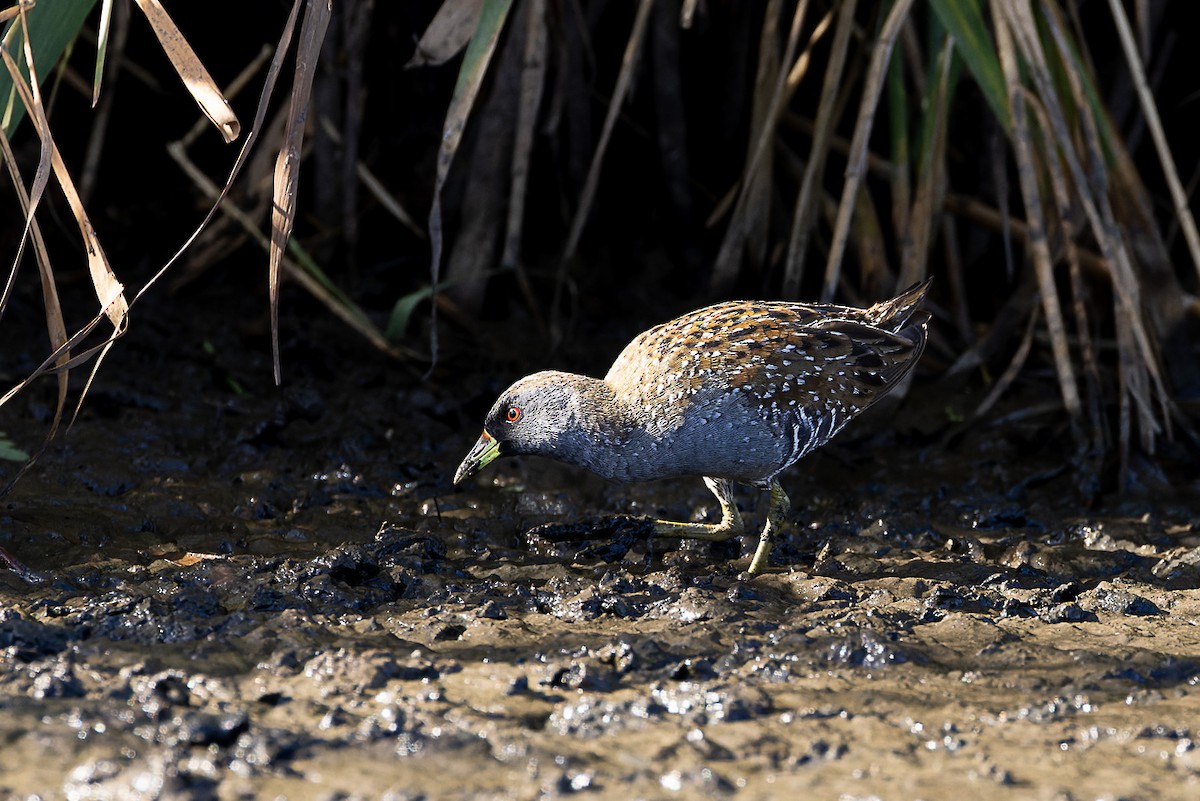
(720, 171)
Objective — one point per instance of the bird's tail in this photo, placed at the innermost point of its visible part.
(893, 315)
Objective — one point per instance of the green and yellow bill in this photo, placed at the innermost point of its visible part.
(484, 453)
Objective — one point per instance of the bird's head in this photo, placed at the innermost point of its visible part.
(529, 418)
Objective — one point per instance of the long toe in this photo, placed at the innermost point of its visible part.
(731, 524)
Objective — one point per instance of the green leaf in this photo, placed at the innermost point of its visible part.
(964, 21)
(101, 49)
(898, 111)
(53, 24)
(402, 312)
(10, 451)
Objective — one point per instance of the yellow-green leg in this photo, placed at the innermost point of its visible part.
(776, 516)
(731, 520)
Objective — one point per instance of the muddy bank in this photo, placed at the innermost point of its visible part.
(265, 594)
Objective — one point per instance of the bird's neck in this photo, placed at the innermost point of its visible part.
(600, 423)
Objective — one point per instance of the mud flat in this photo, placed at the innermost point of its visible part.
(279, 595)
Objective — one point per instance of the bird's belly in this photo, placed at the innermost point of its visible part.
(746, 450)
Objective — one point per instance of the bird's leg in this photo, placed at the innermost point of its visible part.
(776, 517)
(730, 525)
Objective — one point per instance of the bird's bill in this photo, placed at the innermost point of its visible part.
(484, 453)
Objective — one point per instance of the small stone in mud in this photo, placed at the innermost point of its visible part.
(213, 729)
(25, 640)
(693, 670)
(155, 695)
(449, 632)
(350, 564)
(864, 649)
(56, 679)
(491, 611)
(1067, 613)
(821, 751)
(585, 674)
(392, 544)
(1108, 598)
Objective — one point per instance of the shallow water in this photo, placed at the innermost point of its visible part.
(280, 595)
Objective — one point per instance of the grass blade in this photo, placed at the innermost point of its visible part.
(964, 21)
(448, 33)
(101, 49)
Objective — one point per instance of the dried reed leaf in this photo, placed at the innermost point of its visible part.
(1060, 186)
(448, 32)
(302, 269)
(287, 166)
(1039, 249)
(31, 99)
(9, 13)
(1139, 361)
(533, 79)
(1179, 197)
(470, 78)
(687, 13)
(804, 214)
(55, 324)
(256, 128)
(633, 46)
(931, 178)
(1093, 393)
(108, 289)
(899, 178)
(195, 77)
(753, 199)
(881, 53)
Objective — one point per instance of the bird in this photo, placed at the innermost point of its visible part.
(735, 392)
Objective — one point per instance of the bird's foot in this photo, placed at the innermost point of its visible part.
(777, 513)
(731, 519)
(710, 532)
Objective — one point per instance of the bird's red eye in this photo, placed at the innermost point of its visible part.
(514, 414)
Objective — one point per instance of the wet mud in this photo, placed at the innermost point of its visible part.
(250, 593)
